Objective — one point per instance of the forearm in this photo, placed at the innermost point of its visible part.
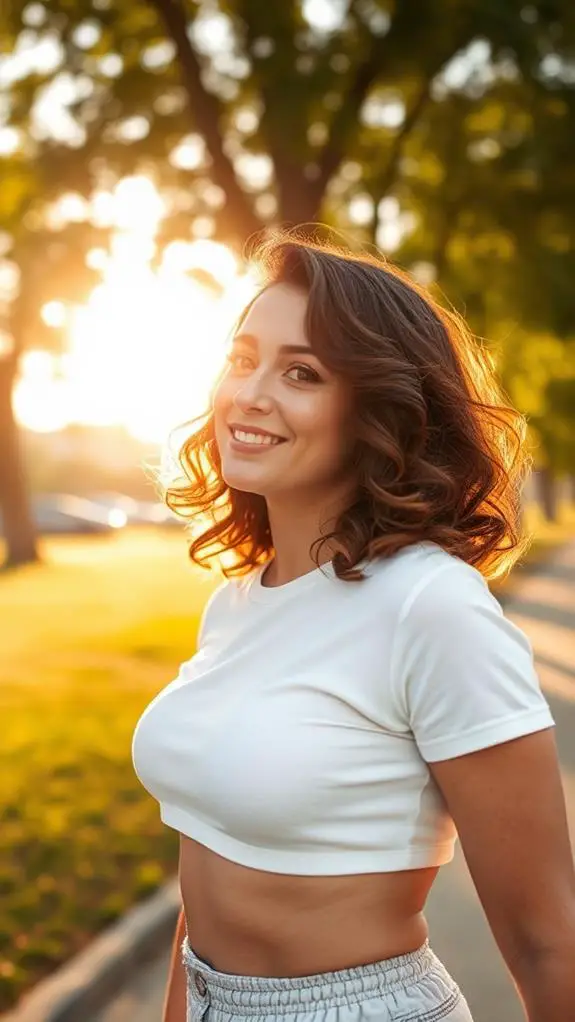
(175, 1002)
(546, 984)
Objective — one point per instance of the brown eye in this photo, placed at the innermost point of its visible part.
(306, 374)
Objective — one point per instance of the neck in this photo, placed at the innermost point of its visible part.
(295, 525)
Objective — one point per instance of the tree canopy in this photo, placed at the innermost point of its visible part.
(442, 130)
(462, 111)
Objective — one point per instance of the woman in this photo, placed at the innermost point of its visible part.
(357, 695)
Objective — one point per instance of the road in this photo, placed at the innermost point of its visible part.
(544, 606)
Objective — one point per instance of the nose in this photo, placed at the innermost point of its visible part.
(253, 395)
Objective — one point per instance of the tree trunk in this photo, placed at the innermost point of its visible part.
(207, 115)
(18, 524)
(547, 489)
(299, 200)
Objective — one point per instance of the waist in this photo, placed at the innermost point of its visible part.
(309, 950)
(242, 920)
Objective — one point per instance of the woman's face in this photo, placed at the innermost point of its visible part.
(282, 420)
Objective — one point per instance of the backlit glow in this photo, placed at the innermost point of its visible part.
(144, 350)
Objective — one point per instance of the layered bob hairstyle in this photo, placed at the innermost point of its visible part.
(439, 455)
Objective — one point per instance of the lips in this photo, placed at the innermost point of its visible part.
(253, 429)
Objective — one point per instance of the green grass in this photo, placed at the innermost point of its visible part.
(87, 639)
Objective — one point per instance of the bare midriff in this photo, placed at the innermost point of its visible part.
(256, 923)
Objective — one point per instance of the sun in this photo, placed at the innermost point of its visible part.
(144, 350)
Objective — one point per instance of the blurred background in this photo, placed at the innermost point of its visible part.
(142, 144)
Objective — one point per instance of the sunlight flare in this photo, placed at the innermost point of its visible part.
(144, 349)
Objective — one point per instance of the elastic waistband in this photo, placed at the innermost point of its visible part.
(242, 994)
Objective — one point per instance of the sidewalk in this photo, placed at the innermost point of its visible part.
(143, 998)
(544, 606)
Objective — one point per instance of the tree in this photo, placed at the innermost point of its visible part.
(323, 111)
(556, 430)
(51, 266)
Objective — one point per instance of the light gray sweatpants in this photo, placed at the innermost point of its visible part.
(415, 987)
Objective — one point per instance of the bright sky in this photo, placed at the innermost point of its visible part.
(145, 348)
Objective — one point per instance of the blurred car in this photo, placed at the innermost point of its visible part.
(66, 513)
(137, 512)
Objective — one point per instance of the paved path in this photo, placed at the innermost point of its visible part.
(544, 605)
(143, 998)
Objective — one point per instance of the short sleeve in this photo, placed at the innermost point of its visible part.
(465, 672)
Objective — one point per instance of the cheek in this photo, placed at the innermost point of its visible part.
(222, 401)
(221, 404)
(327, 429)
(330, 418)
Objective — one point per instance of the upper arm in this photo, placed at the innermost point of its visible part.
(508, 807)
(474, 704)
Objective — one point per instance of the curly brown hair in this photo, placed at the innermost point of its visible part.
(439, 455)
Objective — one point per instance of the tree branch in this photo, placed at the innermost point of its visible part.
(367, 74)
(410, 120)
(207, 114)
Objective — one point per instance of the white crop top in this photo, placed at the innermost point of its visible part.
(296, 740)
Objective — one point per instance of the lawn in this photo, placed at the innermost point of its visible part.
(87, 638)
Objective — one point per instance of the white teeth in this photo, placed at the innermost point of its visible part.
(254, 438)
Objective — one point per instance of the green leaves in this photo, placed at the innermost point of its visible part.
(557, 426)
(462, 113)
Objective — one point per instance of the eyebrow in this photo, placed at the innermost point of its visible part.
(285, 349)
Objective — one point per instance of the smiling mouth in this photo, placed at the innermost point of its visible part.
(256, 439)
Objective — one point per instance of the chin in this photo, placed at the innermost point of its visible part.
(244, 481)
